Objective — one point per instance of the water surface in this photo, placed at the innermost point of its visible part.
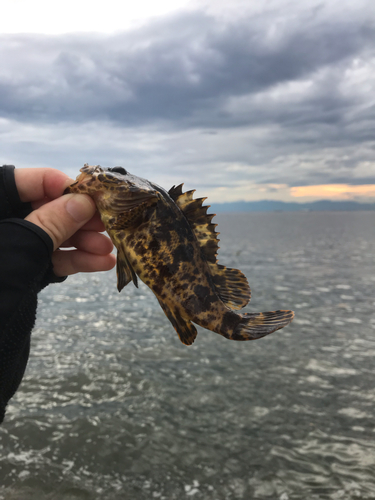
(114, 407)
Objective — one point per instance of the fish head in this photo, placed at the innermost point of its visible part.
(115, 191)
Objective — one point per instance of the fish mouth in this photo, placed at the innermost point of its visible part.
(114, 188)
(91, 170)
(70, 189)
(88, 173)
(80, 181)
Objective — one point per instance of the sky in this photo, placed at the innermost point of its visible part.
(241, 100)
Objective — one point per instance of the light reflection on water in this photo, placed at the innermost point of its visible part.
(113, 405)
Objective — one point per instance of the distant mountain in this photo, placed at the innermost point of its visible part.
(281, 206)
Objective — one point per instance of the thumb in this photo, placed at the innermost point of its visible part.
(62, 217)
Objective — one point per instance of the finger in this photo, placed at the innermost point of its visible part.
(63, 217)
(70, 262)
(90, 241)
(39, 203)
(38, 183)
(94, 224)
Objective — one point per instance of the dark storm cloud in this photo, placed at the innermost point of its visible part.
(278, 98)
(182, 70)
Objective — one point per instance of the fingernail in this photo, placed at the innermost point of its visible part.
(80, 207)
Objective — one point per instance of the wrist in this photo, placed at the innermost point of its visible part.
(10, 202)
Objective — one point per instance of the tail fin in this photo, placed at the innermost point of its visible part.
(257, 325)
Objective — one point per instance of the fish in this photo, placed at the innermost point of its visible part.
(168, 240)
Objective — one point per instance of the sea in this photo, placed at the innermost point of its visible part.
(114, 407)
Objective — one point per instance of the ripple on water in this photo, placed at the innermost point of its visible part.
(113, 406)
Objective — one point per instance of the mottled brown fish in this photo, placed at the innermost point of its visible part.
(169, 241)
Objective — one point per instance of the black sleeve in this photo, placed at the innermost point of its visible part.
(25, 268)
(10, 203)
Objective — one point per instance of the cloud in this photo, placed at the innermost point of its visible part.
(264, 99)
(189, 69)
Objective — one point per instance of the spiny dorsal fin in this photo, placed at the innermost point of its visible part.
(175, 191)
(231, 285)
(199, 220)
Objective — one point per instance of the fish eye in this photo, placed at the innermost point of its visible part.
(119, 170)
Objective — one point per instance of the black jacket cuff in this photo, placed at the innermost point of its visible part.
(10, 203)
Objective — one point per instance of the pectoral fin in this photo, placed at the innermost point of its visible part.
(131, 215)
(127, 201)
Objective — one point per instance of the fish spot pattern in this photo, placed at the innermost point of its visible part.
(169, 241)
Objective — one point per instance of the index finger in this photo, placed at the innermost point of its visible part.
(38, 183)
(94, 224)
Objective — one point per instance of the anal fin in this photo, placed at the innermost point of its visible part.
(184, 328)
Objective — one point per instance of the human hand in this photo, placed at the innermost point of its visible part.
(70, 220)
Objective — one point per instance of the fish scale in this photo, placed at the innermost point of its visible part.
(168, 240)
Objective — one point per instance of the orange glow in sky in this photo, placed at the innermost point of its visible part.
(332, 191)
